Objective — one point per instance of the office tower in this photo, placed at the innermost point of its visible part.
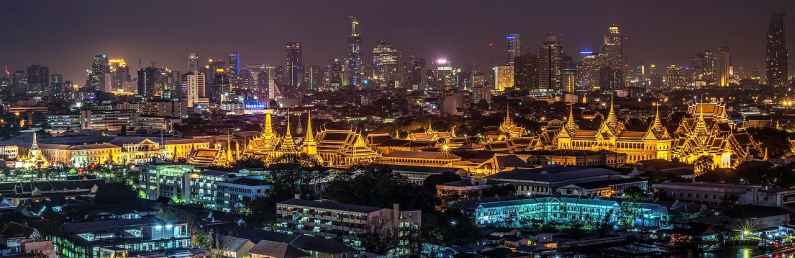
(568, 80)
(99, 67)
(354, 61)
(269, 77)
(613, 47)
(386, 63)
(705, 69)
(119, 75)
(215, 79)
(414, 72)
(512, 48)
(293, 64)
(332, 76)
(724, 66)
(193, 63)
(194, 83)
(503, 77)
(58, 86)
(38, 80)
(675, 77)
(148, 79)
(233, 63)
(525, 71)
(312, 77)
(550, 61)
(777, 53)
(19, 84)
(588, 74)
(443, 77)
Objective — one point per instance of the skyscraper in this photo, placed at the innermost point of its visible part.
(147, 81)
(777, 53)
(194, 83)
(99, 67)
(38, 80)
(119, 75)
(354, 61)
(233, 64)
(705, 69)
(724, 66)
(193, 62)
(512, 48)
(550, 61)
(414, 72)
(613, 47)
(503, 77)
(525, 71)
(385, 64)
(588, 73)
(293, 64)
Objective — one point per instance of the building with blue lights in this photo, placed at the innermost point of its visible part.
(567, 211)
(120, 238)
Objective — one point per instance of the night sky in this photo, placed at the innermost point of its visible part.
(64, 35)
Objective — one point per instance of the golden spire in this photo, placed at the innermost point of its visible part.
(267, 132)
(287, 141)
(309, 145)
(657, 121)
(570, 124)
(701, 125)
(310, 137)
(611, 115)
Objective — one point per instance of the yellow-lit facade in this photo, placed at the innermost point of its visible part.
(271, 148)
(654, 143)
(708, 139)
(503, 77)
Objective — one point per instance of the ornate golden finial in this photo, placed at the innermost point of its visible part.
(570, 124)
(309, 134)
(657, 120)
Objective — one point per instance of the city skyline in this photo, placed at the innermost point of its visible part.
(473, 37)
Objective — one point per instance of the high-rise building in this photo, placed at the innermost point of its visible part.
(777, 53)
(148, 78)
(588, 74)
(333, 76)
(724, 66)
(550, 60)
(293, 64)
(38, 80)
(568, 80)
(99, 67)
(194, 84)
(58, 87)
(216, 80)
(312, 77)
(705, 69)
(444, 77)
(233, 63)
(526, 71)
(354, 61)
(415, 68)
(119, 75)
(503, 77)
(675, 77)
(512, 48)
(386, 63)
(193, 62)
(613, 47)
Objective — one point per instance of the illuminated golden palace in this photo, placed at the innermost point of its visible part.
(710, 140)
(654, 143)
